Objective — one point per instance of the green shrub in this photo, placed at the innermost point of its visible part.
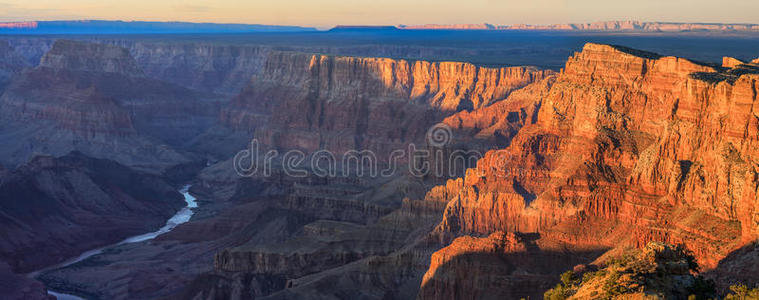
(587, 277)
(568, 278)
(612, 287)
(743, 292)
(560, 292)
(564, 289)
(702, 289)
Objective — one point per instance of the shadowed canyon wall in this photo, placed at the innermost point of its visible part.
(56, 208)
(94, 98)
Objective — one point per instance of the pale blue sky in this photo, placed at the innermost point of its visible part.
(326, 13)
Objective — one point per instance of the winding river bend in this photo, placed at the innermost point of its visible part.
(182, 216)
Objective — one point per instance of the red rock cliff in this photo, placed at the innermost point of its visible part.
(627, 147)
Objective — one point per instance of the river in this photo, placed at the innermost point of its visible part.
(182, 216)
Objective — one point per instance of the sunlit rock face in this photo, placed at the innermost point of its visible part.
(627, 147)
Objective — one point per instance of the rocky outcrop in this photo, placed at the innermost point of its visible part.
(443, 280)
(55, 208)
(730, 62)
(499, 266)
(628, 147)
(494, 126)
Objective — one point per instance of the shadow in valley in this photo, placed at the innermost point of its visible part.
(503, 274)
(738, 267)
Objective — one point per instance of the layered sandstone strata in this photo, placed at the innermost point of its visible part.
(310, 102)
(201, 66)
(627, 147)
(94, 98)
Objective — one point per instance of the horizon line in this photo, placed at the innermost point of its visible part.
(397, 25)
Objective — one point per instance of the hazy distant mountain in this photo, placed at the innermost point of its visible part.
(136, 27)
(361, 28)
(615, 26)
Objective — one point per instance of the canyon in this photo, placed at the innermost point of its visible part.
(597, 165)
(56, 208)
(277, 211)
(617, 149)
(72, 198)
